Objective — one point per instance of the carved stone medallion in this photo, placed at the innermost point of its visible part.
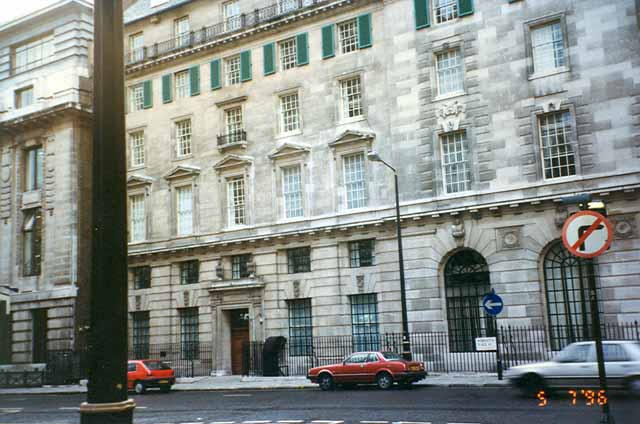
(449, 116)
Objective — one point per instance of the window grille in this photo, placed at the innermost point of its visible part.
(445, 10)
(182, 31)
(450, 73)
(184, 196)
(300, 327)
(466, 277)
(239, 266)
(189, 333)
(138, 218)
(299, 260)
(189, 272)
(348, 36)
(558, 157)
(183, 87)
(232, 66)
(566, 279)
(547, 44)
(292, 191)
(234, 125)
(361, 253)
(354, 181)
(141, 277)
(137, 148)
(136, 95)
(236, 201)
(455, 163)
(183, 137)
(364, 322)
(32, 242)
(24, 97)
(288, 54)
(34, 165)
(140, 337)
(289, 113)
(351, 98)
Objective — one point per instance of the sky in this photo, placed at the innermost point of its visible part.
(12, 9)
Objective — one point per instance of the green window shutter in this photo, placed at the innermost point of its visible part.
(269, 58)
(147, 94)
(328, 41)
(194, 76)
(465, 7)
(167, 91)
(214, 66)
(302, 49)
(421, 8)
(245, 66)
(364, 31)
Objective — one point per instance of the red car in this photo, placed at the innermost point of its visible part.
(382, 368)
(146, 373)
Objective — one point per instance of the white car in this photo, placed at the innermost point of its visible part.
(576, 367)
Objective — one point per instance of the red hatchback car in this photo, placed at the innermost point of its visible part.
(146, 373)
(382, 368)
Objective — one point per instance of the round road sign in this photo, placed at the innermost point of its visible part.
(587, 234)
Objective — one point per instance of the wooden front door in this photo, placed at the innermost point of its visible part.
(239, 337)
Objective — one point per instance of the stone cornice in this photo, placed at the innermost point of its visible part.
(45, 116)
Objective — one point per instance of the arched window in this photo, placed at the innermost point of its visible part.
(566, 280)
(466, 280)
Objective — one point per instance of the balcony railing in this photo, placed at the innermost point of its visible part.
(219, 30)
(232, 138)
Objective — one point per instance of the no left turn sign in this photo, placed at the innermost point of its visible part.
(587, 234)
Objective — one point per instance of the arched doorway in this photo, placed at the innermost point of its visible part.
(566, 280)
(466, 281)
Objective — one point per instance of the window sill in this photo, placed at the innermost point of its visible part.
(136, 168)
(229, 146)
(449, 96)
(549, 73)
(181, 158)
(288, 134)
(345, 121)
(561, 179)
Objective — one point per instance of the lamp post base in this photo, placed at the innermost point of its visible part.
(107, 413)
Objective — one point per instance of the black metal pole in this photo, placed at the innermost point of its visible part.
(498, 353)
(606, 417)
(406, 343)
(107, 387)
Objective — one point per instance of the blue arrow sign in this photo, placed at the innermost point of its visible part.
(492, 304)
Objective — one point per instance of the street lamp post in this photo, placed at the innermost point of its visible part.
(406, 344)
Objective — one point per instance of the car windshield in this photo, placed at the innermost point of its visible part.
(391, 356)
(157, 365)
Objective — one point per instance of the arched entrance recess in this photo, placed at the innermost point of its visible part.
(466, 280)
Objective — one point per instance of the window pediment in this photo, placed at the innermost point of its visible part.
(233, 162)
(287, 150)
(182, 171)
(351, 138)
(136, 181)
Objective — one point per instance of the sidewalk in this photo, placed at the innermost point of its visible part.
(237, 382)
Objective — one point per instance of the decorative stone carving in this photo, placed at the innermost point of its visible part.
(560, 217)
(185, 298)
(220, 271)
(551, 105)
(624, 226)
(450, 115)
(296, 289)
(457, 229)
(360, 283)
(138, 303)
(509, 238)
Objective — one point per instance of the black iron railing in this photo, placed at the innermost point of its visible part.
(219, 30)
(232, 138)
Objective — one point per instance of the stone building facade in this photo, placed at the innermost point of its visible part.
(45, 141)
(254, 211)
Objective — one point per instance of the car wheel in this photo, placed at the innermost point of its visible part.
(165, 389)
(325, 381)
(385, 381)
(531, 384)
(139, 388)
(633, 386)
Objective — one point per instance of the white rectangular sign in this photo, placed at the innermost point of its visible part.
(486, 344)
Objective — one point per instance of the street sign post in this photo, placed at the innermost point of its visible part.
(588, 234)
